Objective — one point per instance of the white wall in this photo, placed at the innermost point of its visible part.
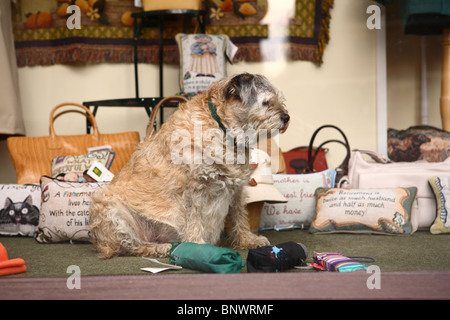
(404, 63)
(341, 92)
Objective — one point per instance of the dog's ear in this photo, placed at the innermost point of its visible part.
(242, 87)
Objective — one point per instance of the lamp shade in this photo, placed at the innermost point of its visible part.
(425, 17)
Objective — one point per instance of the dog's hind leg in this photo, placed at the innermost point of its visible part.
(156, 250)
(116, 231)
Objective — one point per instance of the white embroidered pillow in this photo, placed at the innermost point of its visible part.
(202, 60)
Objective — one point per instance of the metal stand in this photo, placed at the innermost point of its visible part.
(146, 18)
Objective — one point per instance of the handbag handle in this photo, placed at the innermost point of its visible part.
(301, 165)
(344, 165)
(150, 127)
(87, 113)
(377, 157)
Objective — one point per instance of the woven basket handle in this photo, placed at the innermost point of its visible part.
(87, 113)
(150, 128)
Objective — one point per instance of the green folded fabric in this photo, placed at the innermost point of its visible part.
(206, 258)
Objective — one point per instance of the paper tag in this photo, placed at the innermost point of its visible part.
(156, 270)
(99, 173)
(230, 50)
(138, 3)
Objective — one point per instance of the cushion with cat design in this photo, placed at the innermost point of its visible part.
(19, 209)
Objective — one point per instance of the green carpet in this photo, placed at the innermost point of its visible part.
(421, 251)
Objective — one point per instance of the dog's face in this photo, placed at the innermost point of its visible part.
(252, 102)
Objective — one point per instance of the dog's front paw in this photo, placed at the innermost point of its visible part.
(251, 241)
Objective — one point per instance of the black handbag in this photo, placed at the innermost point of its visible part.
(307, 165)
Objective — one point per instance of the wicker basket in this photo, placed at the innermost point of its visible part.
(152, 5)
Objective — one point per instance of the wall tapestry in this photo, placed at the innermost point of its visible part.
(259, 30)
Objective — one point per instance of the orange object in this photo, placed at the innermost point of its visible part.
(227, 6)
(10, 266)
(31, 21)
(31, 165)
(44, 20)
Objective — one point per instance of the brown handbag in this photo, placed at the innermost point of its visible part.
(151, 121)
(32, 156)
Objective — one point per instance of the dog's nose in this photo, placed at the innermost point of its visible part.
(285, 117)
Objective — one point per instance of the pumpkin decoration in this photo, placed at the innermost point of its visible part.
(83, 4)
(38, 20)
(247, 9)
(44, 20)
(127, 19)
(62, 10)
(227, 6)
(31, 21)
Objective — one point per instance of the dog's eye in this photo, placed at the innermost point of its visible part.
(266, 103)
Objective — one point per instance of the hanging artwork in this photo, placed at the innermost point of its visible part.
(273, 29)
(48, 32)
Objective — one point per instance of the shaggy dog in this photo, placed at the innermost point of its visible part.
(181, 183)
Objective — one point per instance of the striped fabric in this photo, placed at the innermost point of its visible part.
(337, 262)
(204, 64)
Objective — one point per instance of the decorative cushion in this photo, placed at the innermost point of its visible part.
(441, 189)
(418, 143)
(202, 60)
(378, 211)
(65, 210)
(19, 211)
(74, 168)
(299, 189)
